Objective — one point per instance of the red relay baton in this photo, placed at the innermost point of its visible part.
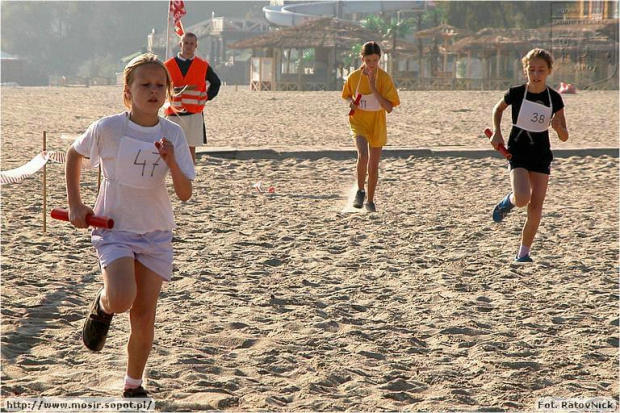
(502, 149)
(357, 101)
(92, 220)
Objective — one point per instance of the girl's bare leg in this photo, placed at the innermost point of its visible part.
(520, 182)
(119, 286)
(362, 161)
(142, 319)
(538, 183)
(373, 172)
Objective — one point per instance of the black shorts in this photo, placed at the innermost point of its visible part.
(540, 164)
(532, 153)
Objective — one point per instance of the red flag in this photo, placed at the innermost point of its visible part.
(178, 28)
(177, 10)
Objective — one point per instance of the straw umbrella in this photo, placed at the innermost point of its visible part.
(331, 35)
(447, 33)
(492, 42)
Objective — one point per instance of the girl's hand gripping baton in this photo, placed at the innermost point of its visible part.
(92, 220)
(357, 101)
(501, 148)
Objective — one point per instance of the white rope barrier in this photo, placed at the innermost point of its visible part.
(14, 176)
(17, 175)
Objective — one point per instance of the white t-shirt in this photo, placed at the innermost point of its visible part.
(133, 191)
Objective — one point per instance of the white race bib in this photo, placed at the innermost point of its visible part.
(534, 117)
(368, 102)
(139, 164)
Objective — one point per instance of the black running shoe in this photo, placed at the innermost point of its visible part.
(370, 207)
(359, 199)
(138, 392)
(96, 326)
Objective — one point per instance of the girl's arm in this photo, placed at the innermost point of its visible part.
(347, 95)
(558, 123)
(73, 171)
(351, 103)
(182, 184)
(498, 110)
(385, 104)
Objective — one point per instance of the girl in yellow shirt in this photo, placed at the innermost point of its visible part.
(368, 124)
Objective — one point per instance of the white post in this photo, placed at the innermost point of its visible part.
(168, 48)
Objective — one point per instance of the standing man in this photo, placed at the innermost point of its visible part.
(190, 75)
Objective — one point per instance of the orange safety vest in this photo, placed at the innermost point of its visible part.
(193, 98)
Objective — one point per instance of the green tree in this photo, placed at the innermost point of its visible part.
(351, 58)
(100, 66)
(60, 36)
(391, 28)
(476, 15)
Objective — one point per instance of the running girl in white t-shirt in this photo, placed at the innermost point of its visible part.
(136, 151)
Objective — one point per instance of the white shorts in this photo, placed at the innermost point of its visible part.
(153, 249)
(192, 126)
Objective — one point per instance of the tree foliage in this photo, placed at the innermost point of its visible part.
(391, 28)
(100, 66)
(61, 36)
(476, 15)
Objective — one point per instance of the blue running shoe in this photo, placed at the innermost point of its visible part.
(525, 258)
(502, 208)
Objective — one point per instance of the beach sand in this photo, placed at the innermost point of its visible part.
(288, 302)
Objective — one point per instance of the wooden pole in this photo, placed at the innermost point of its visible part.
(44, 184)
(300, 70)
(499, 59)
(260, 74)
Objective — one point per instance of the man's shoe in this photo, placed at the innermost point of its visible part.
(359, 199)
(370, 207)
(96, 326)
(502, 208)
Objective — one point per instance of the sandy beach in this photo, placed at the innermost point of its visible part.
(290, 302)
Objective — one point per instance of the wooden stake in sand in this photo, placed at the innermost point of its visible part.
(44, 184)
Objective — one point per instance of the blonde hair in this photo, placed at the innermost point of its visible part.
(537, 53)
(136, 62)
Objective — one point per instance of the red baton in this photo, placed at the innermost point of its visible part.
(92, 220)
(501, 148)
(357, 101)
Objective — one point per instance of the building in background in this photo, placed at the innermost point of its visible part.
(582, 35)
(12, 68)
(15, 70)
(214, 35)
(586, 9)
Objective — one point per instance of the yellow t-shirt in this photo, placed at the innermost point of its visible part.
(370, 124)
